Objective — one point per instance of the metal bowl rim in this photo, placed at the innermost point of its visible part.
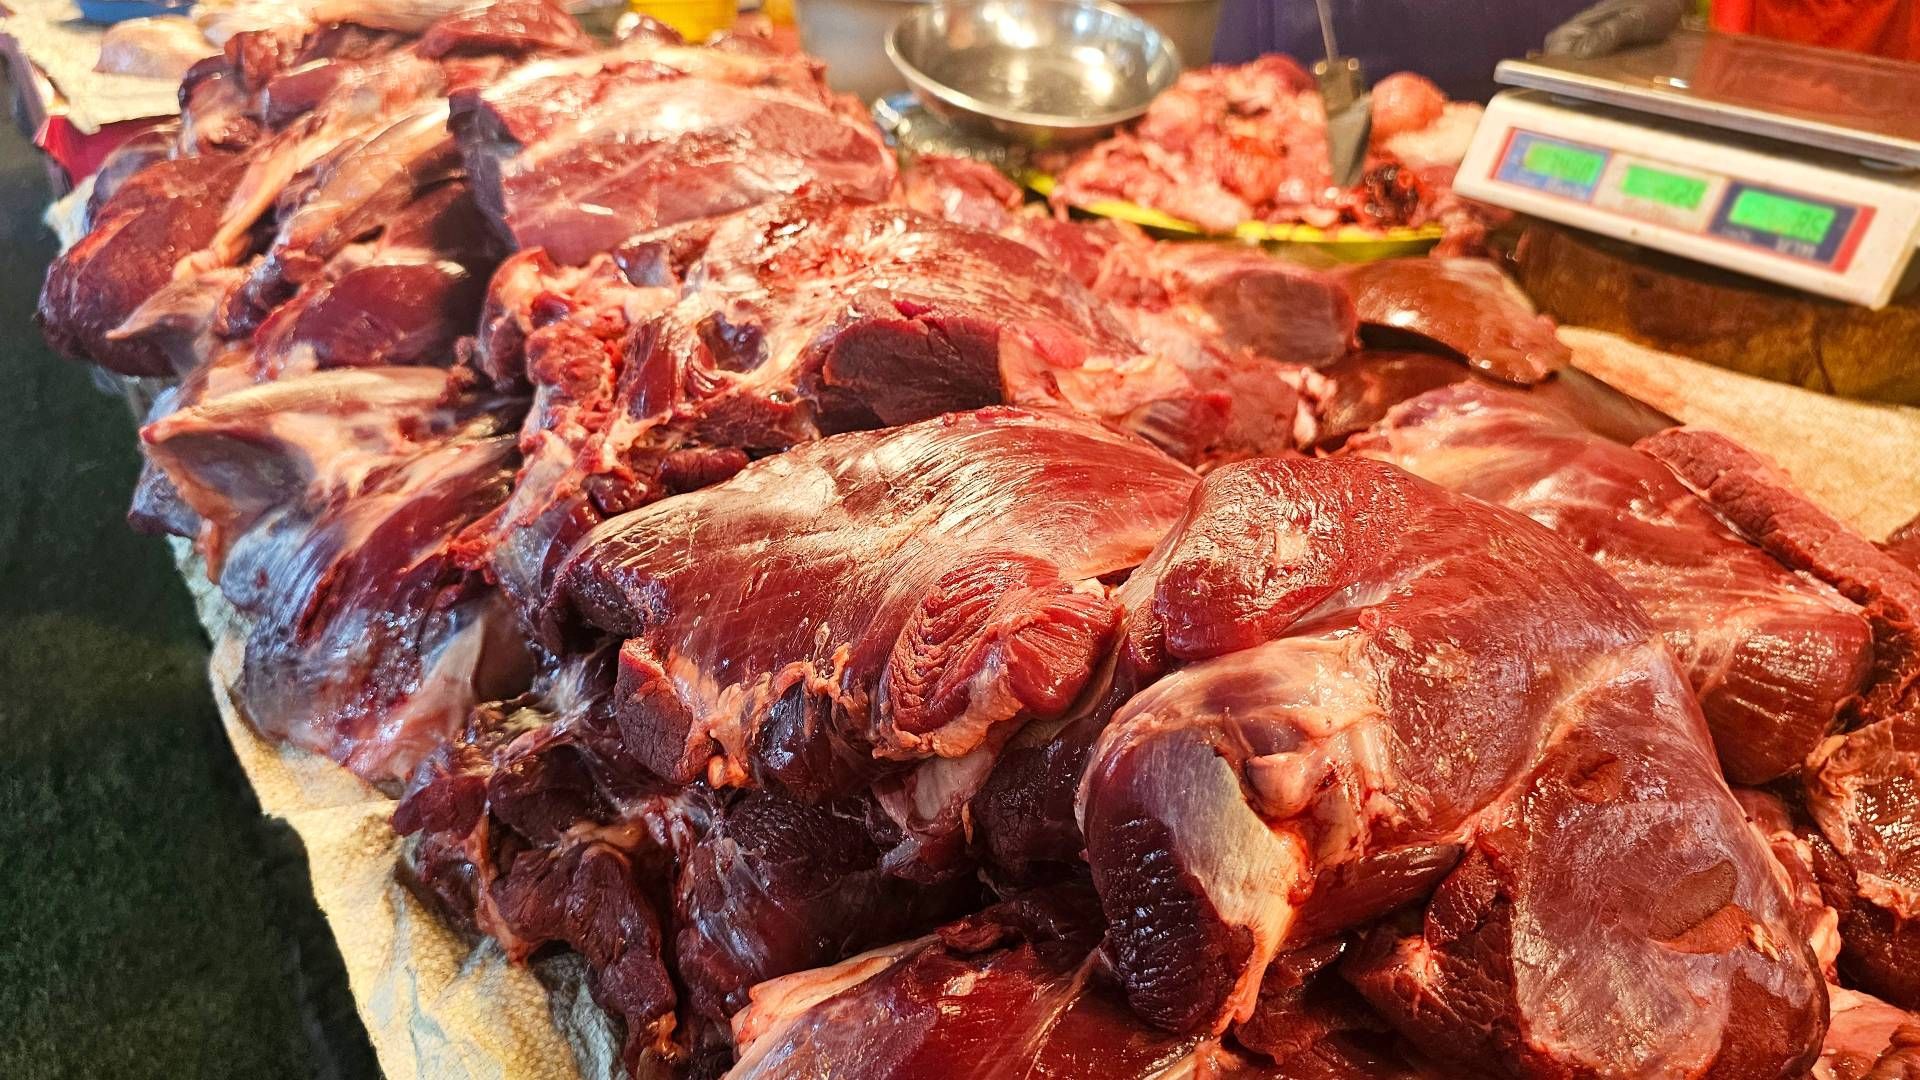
(962, 100)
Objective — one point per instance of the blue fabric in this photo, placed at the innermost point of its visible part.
(1453, 42)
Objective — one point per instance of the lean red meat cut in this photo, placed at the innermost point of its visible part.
(908, 596)
(1771, 656)
(166, 209)
(804, 318)
(1465, 305)
(575, 156)
(327, 506)
(315, 197)
(1014, 991)
(527, 832)
(1328, 748)
(1859, 785)
(1867, 1039)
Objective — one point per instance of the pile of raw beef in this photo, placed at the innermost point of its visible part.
(1229, 145)
(887, 631)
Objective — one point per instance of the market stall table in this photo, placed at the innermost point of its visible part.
(843, 503)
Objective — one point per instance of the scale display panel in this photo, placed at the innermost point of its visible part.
(1769, 219)
(1826, 225)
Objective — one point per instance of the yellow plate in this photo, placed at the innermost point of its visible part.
(1348, 243)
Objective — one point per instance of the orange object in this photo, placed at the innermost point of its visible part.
(697, 20)
(1881, 27)
(1731, 16)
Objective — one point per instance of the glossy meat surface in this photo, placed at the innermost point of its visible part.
(824, 316)
(666, 364)
(328, 505)
(1359, 390)
(1766, 508)
(1328, 749)
(1860, 786)
(152, 220)
(1771, 656)
(866, 473)
(511, 820)
(775, 886)
(1861, 789)
(576, 156)
(314, 198)
(814, 317)
(1013, 992)
(528, 826)
(1463, 304)
(903, 595)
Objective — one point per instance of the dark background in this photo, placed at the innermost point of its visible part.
(152, 922)
(1455, 43)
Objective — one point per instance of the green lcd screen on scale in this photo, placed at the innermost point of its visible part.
(1569, 163)
(1767, 212)
(1663, 187)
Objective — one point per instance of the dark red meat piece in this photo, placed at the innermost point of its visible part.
(908, 595)
(1332, 749)
(801, 319)
(155, 219)
(575, 157)
(1860, 785)
(1863, 790)
(1772, 657)
(1465, 305)
(530, 827)
(328, 507)
(1013, 992)
(1366, 384)
(1766, 508)
(776, 886)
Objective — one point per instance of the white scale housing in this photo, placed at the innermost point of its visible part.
(1708, 147)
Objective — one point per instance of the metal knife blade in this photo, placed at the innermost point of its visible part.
(1343, 89)
(1349, 128)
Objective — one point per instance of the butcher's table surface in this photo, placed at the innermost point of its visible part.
(152, 922)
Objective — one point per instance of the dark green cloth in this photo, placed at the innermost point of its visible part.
(152, 922)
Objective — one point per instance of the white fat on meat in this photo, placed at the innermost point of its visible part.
(774, 1005)
(1255, 870)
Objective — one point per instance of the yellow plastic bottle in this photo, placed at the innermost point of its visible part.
(697, 20)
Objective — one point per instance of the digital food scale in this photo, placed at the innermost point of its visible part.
(1790, 163)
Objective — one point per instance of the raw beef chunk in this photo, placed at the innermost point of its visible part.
(1384, 693)
(912, 594)
(1463, 304)
(1772, 657)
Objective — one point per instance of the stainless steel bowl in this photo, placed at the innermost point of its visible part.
(1040, 72)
